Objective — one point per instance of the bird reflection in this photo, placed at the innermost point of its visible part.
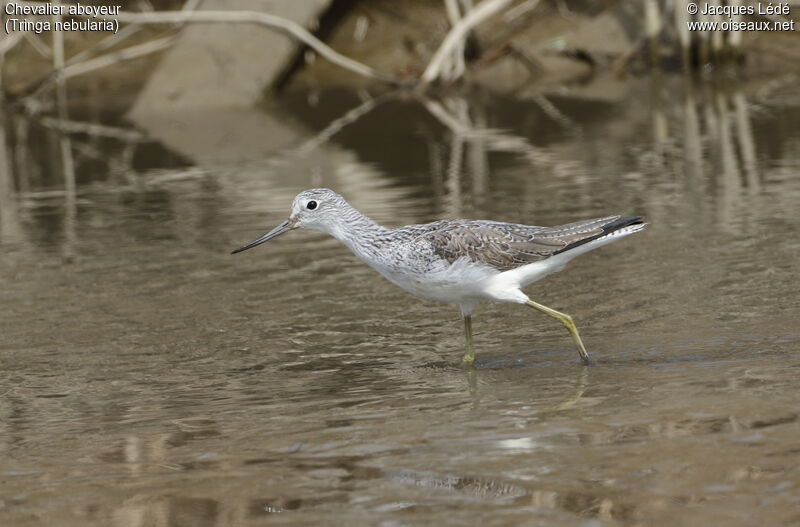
(570, 399)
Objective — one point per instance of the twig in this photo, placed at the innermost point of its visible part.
(563, 9)
(621, 63)
(253, 17)
(275, 22)
(58, 46)
(123, 34)
(37, 44)
(522, 9)
(455, 66)
(77, 66)
(108, 42)
(456, 36)
(116, 57)
(102, 61)
(146, 6)
(78, 127)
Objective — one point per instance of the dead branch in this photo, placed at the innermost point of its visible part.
(520, 10)
(112, 40)
(251, 17)
(116, 57)
(77, 127)
(275, 22)
(123, 34)
(36, 43)
(457, 36)
(102, 61)
(455, 66)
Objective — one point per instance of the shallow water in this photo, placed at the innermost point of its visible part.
(149, 378)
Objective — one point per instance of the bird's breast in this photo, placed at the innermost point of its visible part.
(442, 280)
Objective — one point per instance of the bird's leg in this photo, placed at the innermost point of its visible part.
(469, 357)
(568, 323)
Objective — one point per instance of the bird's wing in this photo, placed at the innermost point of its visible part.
(506, 246)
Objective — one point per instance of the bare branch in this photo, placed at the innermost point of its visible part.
(112, 40)
(116, 57)
(36, 43)
(455, 66)
(253, 17)
(77, 127)
(457, 35)
(520, 10)
(123, 34)
(250, 17)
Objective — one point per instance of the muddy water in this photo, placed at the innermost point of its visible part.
(148, 378)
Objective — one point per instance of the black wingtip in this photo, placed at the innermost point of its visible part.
(608, 228)
(621, 223)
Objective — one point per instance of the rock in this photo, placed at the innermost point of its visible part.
(218, 65)
(217, 73)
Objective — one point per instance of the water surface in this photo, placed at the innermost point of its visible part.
(149, 378)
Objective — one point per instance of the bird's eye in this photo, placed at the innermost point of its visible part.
(311, 205)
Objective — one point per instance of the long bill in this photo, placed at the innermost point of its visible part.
(286, 226)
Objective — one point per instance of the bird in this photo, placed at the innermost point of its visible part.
(458, 261)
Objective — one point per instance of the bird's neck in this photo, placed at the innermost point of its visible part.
(359, 233)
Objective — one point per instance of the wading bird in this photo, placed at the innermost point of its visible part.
(461, 261)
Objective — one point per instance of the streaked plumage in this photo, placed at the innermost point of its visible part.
(507, 246)
(462, 261)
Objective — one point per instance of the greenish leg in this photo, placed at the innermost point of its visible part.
(469, 357)
(568, 323)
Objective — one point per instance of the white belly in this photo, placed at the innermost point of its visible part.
(463, 281)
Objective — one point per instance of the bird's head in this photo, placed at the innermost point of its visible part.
(317, 209)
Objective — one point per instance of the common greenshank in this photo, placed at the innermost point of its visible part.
(462, 261)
